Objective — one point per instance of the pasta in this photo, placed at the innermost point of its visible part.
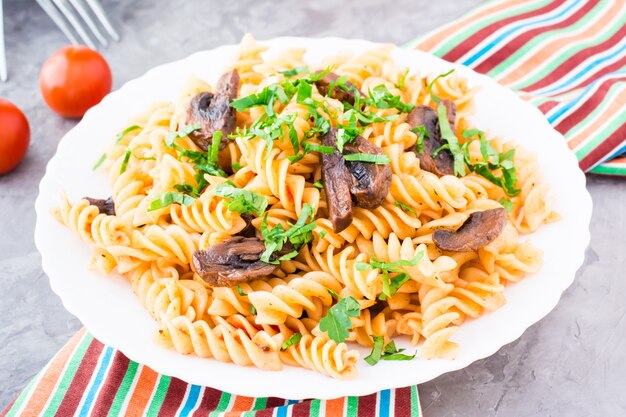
(314, 209)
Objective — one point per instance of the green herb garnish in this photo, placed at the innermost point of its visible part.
(168, 198)
(297, 234)
(293, 339)
(391, 285)
(318, 184)
(240, 292)
(405, 207)
(337, 321)
(118, 139)
(381, 98)
(402, 80)
(294, 71)
(127, 155)
(429, 89)
(506, 203)
(387, 353)
(242, 201)
(368, 157)
(183, 132)
(421, 132)
(452, 143)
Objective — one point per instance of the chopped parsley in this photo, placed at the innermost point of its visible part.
(452, 143)
(297, 234)
(506, 203)
(381, 98)
(242, 201)
(387, 353)
(118, 139)
(492, 161)
(337, 321)
(240, 292)
(402, 80)
(183, 132)
(429, 89)
(236, 166)
(125, 161)
(405, 207)
(293, 339)
(421, 132)
(294, 71)
(318, 184)
(368, 157)
(393, 284)
(166, 199)
(347, 133)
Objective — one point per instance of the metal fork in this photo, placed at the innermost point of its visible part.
(63, 12)
(67, 15)
(3, 58)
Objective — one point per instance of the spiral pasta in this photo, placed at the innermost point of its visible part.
(252, 198)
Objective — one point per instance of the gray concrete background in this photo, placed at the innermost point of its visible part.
(572, 363)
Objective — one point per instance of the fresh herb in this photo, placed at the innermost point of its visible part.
(242, 201)
(168, 198)
(377, 350)
(323, 233)
(118, 139)
(506, 203)
(236, 166)
(368, 117)
(253, 310)
(120, 136)
(312, 147)
(266, 98)
(429, 89)
(492, 161)
(402, 80)
(405, 207)
(393, 284)
(421, 132)
(293, 339)
(368, 157)
(125, 161)
(297, 234)
(387, 353)
(183, 132)
(103, 158)
(294, 71)
(452, 142)
(240, 292)
(381, 98)
(349, 132)
(337, 321)
(318, 184)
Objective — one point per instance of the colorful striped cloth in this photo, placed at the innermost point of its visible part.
(568, 57)
(87, 378)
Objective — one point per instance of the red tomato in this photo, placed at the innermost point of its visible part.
(74, 79)
(14, 136)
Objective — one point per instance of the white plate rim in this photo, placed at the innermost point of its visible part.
(316, 387)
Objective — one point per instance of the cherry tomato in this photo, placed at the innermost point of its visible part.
(74, 79)
(14, 136)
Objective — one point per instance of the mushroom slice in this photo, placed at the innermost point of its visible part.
(480, 229)
(369, 182)
(443, 163)
(212, 111)
(338, 93)
(337, 180)
(233, 261)
(104, 206)
(249, 230)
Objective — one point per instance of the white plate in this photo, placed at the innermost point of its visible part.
(109, 309)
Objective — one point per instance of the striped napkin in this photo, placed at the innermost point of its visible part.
(567, 57)
(87, 378)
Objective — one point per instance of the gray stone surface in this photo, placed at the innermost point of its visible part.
(572, 363)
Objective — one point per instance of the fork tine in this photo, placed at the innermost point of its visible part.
(82, 11)
(3, 58)
(70, 15)
(102, 16)
(57, 18)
